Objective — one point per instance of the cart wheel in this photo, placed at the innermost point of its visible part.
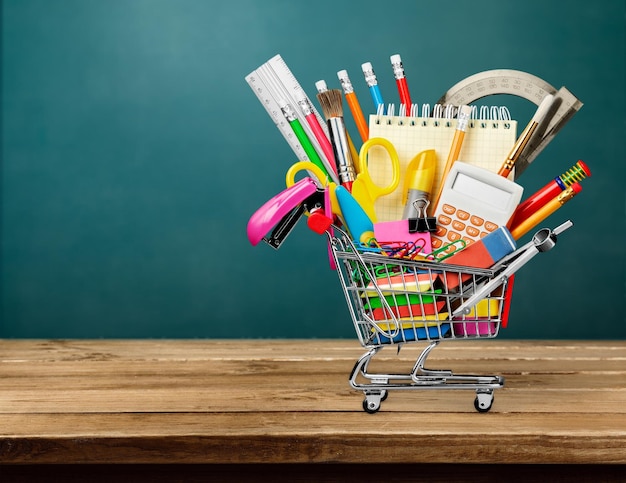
(483, 401)
(371, 406)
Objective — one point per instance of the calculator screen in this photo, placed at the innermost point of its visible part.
(480, 190)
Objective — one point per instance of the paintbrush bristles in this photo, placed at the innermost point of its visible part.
(330, 101)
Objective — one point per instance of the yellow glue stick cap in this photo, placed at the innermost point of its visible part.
(420, 173)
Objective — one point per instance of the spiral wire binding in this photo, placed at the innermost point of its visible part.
(440, 113)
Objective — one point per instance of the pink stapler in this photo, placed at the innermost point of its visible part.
(273, 221)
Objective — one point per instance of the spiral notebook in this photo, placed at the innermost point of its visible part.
(488, 140)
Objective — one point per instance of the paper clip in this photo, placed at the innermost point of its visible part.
(404, 249)
(413, 250)
(440, 254)
(368, 246)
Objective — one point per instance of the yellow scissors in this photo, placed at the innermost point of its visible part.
(364, 190)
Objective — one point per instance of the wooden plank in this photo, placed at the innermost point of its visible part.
(311, 437)
(16, 372)
(321, 398)
(315, 473)
(187, 350)
(199, 374)
(285, 401)
(289, 391)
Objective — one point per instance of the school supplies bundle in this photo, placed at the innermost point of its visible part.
(423, 217)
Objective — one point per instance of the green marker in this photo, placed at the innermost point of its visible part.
(304, 140)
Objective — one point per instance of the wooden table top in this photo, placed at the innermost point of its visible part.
(289, 401)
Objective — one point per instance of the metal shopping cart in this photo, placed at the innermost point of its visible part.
(396, 300)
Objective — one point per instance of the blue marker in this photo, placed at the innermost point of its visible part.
(372, 83)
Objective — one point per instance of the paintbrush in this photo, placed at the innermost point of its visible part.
(331, 103)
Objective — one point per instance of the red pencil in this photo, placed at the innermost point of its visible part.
(403, 87)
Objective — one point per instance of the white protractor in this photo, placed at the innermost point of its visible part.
(274, 81)
(527, 86)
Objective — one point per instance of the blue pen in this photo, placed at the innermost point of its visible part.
(372, 83)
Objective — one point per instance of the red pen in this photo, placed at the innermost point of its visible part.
(403, 88)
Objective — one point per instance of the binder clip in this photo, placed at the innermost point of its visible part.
(423, 223)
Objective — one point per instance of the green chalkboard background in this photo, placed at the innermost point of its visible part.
(134, 152)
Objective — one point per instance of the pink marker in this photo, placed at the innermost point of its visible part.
(311, 119)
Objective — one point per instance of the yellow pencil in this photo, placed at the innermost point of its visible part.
(459, 134)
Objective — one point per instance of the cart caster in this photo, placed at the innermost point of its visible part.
(483, 401)
(371, 403)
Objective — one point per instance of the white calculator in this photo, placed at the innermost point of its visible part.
(474, 202)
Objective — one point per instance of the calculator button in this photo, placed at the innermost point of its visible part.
(458, 226)
(453, 236)
(436, 243)
(444, 220)
(468, 241)
(476, 220)
(483, 234)
(490, 226)
(473, 232)
(441, 231)
(462, 215)
(448, 209)
(451, 249)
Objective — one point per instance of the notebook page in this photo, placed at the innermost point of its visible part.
(487, 144)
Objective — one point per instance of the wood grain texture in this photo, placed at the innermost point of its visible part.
(288, 401)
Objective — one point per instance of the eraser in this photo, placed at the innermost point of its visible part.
(499, 243)
(321, 86)
(485, 252)
(482, 253)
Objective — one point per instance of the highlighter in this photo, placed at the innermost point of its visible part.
(418, 181)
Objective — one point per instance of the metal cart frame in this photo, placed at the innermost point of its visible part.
(394, 301)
